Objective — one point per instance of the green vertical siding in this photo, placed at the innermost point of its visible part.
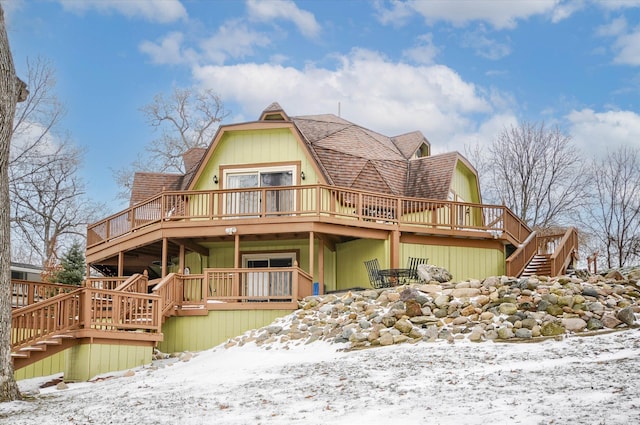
(255, 147)
(84, 361)
(330, 277)
(197, 333)
(48, 366)
(465, 184)
(462, 262)
(350, 260)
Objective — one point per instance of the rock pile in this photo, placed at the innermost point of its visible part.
(498, 309)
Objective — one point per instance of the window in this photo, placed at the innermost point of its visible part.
(252, 202)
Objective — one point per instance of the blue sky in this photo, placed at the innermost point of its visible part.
(459, 71)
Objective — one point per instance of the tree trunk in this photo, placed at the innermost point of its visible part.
(11, 91)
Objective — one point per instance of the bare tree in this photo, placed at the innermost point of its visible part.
(48, 203)
(47, 194)
(186, 119)
(12, 90)
(536, 172)
(614, 216)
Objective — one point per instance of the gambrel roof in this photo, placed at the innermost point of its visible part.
(347, 155)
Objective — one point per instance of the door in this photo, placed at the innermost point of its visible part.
(268, 284)
(250, 203)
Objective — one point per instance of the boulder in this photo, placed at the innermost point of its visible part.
(626, 316)
(552, 329)
(574, 324)
(428, 272)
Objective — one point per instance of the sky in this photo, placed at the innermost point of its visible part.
(460, 71)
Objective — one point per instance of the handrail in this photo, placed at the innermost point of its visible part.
(46, 318)
(305, 201)
(135, 283)
(516, 263)
(169, 291)
(564, 252)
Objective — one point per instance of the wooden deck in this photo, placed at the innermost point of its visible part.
(123, 309)
(313, 203)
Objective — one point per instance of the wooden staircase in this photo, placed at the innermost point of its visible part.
(47, 326)
(43, 348)
(540, 265)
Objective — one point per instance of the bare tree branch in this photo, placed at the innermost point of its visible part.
(535, 171)
(184, 120)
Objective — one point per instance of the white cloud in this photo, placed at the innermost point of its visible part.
(169, 50)
(564, 9)
(391, 98)
(627, 47)
(424, 52)
(593, 130)
(265, 11)
(617, 4)
(614, 28)
(483, 46)
(234, 39)
(483, 136)
(162, 11)
(396, 15)
(500, 14)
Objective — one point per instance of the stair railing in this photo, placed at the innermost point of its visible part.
(46, 318)
(517, 261)
(136, 283)
(564, 252)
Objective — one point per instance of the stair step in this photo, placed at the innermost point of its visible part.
(63, 336)
(49, 342)
(21, 355)
(33, 348)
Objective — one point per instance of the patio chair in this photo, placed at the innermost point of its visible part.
(413, 263)
(375, 278)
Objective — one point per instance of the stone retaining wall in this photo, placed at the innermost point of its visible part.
(495, 309)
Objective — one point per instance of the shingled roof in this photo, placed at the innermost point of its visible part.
(347, 154)
(431, 176)
(146, 185)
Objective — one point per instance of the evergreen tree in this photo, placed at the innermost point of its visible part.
(73, 266)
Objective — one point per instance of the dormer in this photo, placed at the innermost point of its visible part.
(422, 151)
(274, 112)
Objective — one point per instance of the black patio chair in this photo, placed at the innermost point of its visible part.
(375, 278)
(413, 263)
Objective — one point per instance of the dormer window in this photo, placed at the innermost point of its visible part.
(422, 151)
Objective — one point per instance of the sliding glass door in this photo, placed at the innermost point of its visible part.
(250, 203)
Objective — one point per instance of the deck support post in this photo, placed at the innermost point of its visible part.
(165, 247)
(311, 255)
(395, 249)
(120, 263)
(320, 279)
(181, 259)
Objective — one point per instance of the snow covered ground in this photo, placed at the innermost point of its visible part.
(578, 380)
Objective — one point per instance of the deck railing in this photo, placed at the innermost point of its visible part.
(109, 283)
(304, 201)
(222, 286)
(85, 308)
(120, 311)
(25, 292)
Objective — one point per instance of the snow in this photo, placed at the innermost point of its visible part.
(577, 380)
